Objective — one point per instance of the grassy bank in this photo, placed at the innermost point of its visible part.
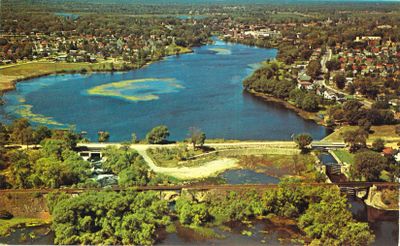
(12, 74)
(386, 132)
(344, 156)
(281, 165)
(175, 157)
(175, 49)
(6, 226)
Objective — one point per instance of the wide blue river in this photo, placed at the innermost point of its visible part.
(202, 89)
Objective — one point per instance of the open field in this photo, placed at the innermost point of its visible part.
(386, 132)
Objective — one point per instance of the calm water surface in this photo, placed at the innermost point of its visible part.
(202, 89)
(246, 176)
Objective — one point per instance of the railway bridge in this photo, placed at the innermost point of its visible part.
(222, 187)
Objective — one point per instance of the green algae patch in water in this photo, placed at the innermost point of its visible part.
(138, 89)
(25, 111)
(221, 51)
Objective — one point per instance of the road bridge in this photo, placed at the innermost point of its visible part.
(327, 145)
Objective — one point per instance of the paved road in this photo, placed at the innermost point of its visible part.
(327, 57)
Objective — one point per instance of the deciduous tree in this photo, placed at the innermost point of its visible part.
(157, 135)
(378, 145)
(368, 165)
(303, 140)
(340, 81)
(314, 68)
(196, 137)
(357, 139)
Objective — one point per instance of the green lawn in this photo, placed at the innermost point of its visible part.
(344, 156)
(386, 132)
(7, 225)
(177, 157)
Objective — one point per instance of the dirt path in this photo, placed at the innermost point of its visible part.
(203, 171)
(206, 170)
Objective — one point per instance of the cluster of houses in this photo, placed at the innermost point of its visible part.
(370, 55)
(305, 82)
(89, 48)
(242, 31)
(72, 46)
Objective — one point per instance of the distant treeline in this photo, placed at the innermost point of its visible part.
(202, 6)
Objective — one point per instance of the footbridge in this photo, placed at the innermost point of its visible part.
(327, 145)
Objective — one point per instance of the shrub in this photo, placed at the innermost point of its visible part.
(5, 215)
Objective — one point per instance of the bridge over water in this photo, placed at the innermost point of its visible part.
(222, 187)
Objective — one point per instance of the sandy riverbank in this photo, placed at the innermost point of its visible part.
(209, 169)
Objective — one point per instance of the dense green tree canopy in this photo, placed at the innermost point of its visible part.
(322, 213)
(378, 144)
(340, 81)
(128, 218)
(330, 223)
(52, 166)
(368, 165)
(314, 68)
(118, 159)
(357, 139)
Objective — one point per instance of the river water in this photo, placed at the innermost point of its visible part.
(201, 89)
